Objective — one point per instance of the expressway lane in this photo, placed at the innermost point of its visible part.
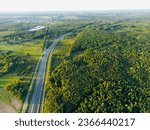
(34, 106)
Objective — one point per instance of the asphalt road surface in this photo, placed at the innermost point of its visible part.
(34, 106)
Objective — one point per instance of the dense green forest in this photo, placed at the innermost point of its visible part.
(108, 70)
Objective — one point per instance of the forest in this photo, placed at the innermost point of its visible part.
(107, 71)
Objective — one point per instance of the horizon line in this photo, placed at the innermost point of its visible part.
(86, 10)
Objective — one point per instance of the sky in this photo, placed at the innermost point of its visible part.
(62, 5)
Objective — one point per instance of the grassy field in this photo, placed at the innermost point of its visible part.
(33, 48)
(4, 33)
(8, 103)
(61, 51)
(8, 78)
(4, 96)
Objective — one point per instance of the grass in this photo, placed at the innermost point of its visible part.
(4, 96)
(33, 48)
(7, 79)
(4, 33)
(61, 51)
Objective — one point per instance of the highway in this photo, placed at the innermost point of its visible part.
(36, 100)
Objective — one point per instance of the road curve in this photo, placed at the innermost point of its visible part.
(34, 106)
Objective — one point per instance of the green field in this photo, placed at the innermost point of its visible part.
(4, 96)
(7, 79)
(33, 48)
(61, 51)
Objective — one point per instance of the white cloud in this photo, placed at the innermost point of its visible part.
(45, 5)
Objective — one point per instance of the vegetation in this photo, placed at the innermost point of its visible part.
(107, 71)
(19, 67)
(102, 66)
(19, 53)
(62, 50)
